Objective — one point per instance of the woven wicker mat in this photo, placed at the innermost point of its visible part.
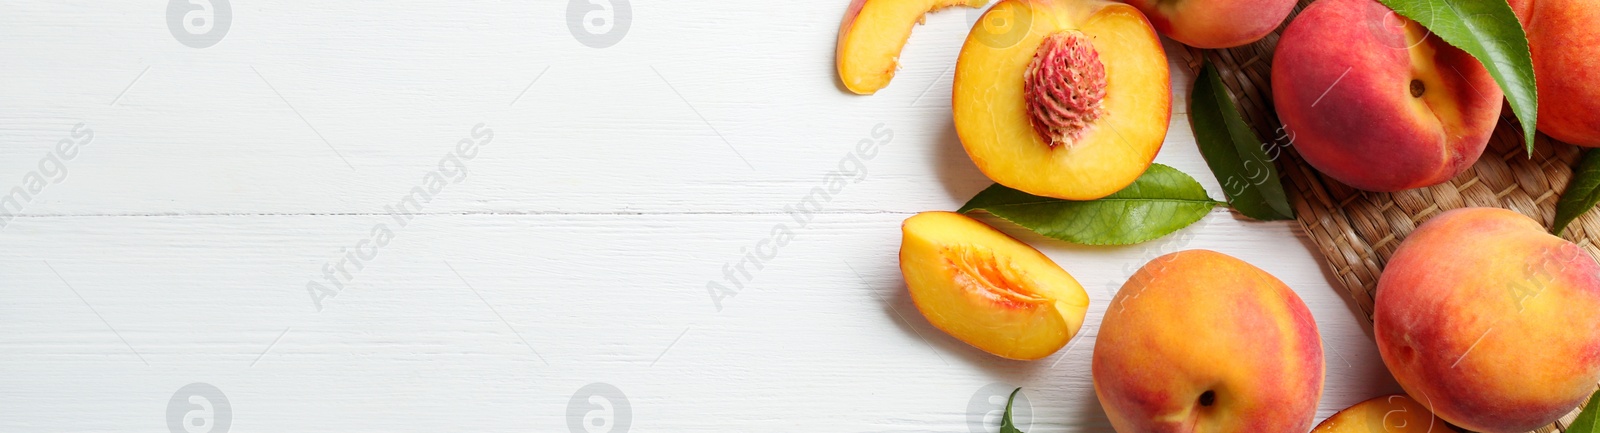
(1358, 231)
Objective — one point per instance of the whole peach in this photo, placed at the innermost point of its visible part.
(1201, 341)
(1376, 102)
(1490, 321)
(1215, 23)
(1566, 60)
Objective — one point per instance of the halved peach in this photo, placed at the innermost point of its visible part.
(988, 289)
(1066, 98)
(872, 34)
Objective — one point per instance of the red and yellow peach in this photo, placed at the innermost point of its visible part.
(1566, 61)
(1376, 102)
(1215, 23)
(1489, 320)
(1201, 341)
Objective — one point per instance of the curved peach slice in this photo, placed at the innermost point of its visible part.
(872, 34)
(988, 289)
(1067, 99)
(1391, 414)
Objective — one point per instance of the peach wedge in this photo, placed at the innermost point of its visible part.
(1062, 98)
(988, 289)
(872, 34)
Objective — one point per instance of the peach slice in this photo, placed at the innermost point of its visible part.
(988, 289)
(1388, 414)
(1062, 98)
(872, 34)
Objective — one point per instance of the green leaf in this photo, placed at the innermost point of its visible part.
(1005, 420)
(1489, 31)
(1159, 202)
(1236, 156)
(1588, 421)
(1583, 191)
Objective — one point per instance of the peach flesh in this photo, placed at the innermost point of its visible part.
(872, 35)
(990, 102)
(1387, 414)
(988, 289)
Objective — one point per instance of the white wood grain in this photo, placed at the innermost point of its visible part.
(178, 246)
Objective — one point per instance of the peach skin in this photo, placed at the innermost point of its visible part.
(1376, 102)
(1489, 320)
(1199, 341)
(1215, 23)
(1566, 60)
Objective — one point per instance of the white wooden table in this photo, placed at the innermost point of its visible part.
(177, 244)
